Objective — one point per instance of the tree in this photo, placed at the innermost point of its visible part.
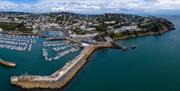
(102, 27)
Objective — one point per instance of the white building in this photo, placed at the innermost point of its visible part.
(84, 44)
(82, 27)
(110, 22)
(125, 28)
(1, 29)
(84, 36)
(90, 29)
(52, 24)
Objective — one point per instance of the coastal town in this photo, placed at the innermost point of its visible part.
(81, 26)
(65, 33)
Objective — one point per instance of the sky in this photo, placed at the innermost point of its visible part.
(93, 6)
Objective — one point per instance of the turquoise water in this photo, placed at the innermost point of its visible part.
(28, 63)
(153, 66)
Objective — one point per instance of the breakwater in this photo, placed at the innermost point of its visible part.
(8, 64)
(61, 77)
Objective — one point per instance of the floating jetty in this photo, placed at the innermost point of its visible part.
(17, 43)
(8, 64)
(61, 77)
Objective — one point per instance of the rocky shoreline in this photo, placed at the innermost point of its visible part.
(144, 34)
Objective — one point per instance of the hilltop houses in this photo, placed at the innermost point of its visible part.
(124, 28)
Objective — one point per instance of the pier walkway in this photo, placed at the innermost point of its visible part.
(61, 77)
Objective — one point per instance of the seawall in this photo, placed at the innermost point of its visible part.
(61, 77)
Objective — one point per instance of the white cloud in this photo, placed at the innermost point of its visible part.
(81, 6)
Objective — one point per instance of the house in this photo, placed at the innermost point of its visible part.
(1, 29)
(125, 28)
(110, 22)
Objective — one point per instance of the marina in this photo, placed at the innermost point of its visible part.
(17, 43)
(89, 45)
(61, 48)
(56, 49)
(133, 69)
(55, 43)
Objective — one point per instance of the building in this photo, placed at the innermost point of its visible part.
(84, 36)
(110, 22)
(1, 29)
(125, 28)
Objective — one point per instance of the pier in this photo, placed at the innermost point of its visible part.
(61, 77)
(8, 64)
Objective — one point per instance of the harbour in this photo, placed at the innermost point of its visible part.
(61, 77)
(143, 65)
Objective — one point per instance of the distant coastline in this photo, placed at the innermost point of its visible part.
(142, 34)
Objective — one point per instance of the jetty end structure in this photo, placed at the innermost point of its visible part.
(8, 64)
(61, 77)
